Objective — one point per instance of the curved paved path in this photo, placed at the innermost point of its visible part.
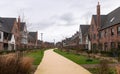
(53, 63)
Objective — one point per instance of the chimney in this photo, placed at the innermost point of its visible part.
(19, 23)
(98, 16)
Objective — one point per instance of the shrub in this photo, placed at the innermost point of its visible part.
(118, 69)
(89, 60)
(15, 64)
(103, 67)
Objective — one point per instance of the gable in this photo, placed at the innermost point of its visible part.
(15, 28)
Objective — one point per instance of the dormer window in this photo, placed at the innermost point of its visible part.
(112, 19)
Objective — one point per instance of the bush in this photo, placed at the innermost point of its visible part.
(118, 69)
(89, 60)
(15, 64)
(6, 51)
(103, 67)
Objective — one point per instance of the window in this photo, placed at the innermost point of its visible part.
(105, 46)
(94, 46)
(102, 33)
(118, 30)
(112, 19)
(112, 31)
(94, 36)
(112, 45)
(80, 41)
(100, 46)
(118, 45)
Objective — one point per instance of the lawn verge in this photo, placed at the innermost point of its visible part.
(92, 66)
(79, 59)
(37, 56)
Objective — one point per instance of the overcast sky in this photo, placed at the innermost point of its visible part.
(56, 19)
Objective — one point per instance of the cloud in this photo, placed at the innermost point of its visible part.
(58, 15)
(40, 26)
(68, 17)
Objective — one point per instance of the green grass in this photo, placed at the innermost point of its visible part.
(36, 55)
(79, 59)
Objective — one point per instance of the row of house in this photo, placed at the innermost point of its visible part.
(14, 35)
(103, 33)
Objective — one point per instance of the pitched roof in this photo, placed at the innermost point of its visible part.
(32, 36)
(103, 19)
(84, 28)
(113, 18)
(7, 24)
(110, 19)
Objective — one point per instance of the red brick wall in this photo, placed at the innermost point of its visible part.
(16, 32)
(1, 46)
(104, 39)
(93, 31)
(115, 38)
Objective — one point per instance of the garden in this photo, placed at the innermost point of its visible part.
(24, 62)
(95, 66)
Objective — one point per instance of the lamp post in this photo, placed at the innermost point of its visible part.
(41, 36)
(54, 42)
(42, 40)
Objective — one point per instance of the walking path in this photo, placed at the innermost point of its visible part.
(53, 63)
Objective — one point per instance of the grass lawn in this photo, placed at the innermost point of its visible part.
(79, 59)
(36, 55)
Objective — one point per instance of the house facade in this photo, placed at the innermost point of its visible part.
(84, 36)
(14, 35)
(7, 40)
(23, 35)
(71, 41)
(32, 39)
(105, 30)
(15, 29)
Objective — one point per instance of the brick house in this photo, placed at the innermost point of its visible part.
(71, 41)
(39, 43)
(48, 45)
(7, 37)
(23, 35)
(32, 39)
(16, 31)
(59, 44)
(84, 36)
(105, 30)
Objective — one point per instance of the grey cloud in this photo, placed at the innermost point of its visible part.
(68, 17)
(40, 25)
